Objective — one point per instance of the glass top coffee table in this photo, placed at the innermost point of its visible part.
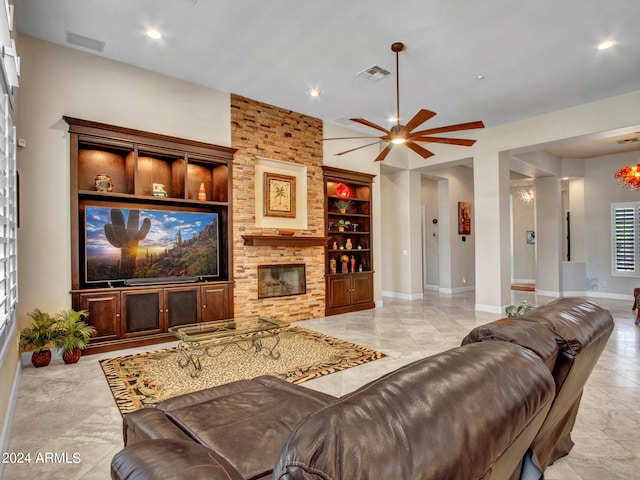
(213, 338)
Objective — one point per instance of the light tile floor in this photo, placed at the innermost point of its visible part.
(68, 409)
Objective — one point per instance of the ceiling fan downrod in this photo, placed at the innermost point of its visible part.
(397, 47)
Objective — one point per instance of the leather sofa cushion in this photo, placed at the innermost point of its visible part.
(147, 460)
(467, 413)
(245, 422)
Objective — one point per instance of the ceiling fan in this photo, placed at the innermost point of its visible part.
(404, 135)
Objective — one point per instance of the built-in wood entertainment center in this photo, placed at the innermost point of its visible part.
(138, 185)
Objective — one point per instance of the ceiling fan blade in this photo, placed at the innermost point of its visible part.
(451, 141)
(448, 128)
(358, 148)
(423, 152)
(362, 121)
(346, 138)
(383, 154)
(417, 120)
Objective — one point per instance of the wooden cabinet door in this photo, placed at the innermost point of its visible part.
(362, 288)
(182, 305)
(338, 291)
(217, 302)
(104, 314)
(142, 312)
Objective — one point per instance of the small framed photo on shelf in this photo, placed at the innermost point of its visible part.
(279, 195)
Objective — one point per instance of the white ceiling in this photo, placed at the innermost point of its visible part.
(536, 56)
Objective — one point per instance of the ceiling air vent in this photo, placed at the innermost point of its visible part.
(374, 73)
(85, 42)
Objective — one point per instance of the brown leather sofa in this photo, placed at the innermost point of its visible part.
(581, 330)
(472, 412)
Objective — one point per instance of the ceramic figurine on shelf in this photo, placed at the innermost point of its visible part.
(158, 190)
(353, 263)
(335, 245)
(103, 183)
(202, 193)
(348, 245)
(333, 265)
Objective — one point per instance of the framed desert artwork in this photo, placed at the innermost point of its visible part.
(279, 195)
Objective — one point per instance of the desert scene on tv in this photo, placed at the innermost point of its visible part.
(122, 244)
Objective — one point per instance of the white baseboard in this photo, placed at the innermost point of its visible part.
(548, 293)
(613, 296)
(5, 433)
(574, 294)
(489, 308)
(379, 303)
(457, 289)
(403, 296)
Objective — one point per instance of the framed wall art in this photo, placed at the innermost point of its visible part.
(531, 237)
(464, 218)
(279, 195)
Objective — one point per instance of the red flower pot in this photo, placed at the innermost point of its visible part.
(41, 359)
(71, 357)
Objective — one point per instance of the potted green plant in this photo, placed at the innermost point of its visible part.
(514, 311)
(39, 338)
(342, 223)
(73, 334)
(343, 205)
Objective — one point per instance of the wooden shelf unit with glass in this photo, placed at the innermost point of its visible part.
(350, 287)
(122, 168)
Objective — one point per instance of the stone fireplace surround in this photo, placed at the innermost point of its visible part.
(260, 130)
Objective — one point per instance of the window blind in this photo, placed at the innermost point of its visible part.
(625, 225)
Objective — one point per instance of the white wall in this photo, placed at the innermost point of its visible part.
(600, 190)
(492, 160)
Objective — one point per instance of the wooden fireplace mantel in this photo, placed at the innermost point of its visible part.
(283, 241)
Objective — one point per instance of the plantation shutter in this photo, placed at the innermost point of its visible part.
(625, 228)
(8, 221)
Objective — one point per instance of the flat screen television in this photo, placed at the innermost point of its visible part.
(124, 244)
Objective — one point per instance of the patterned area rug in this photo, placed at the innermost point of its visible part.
(145, 379)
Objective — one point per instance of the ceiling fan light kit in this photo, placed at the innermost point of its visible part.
(404, 134)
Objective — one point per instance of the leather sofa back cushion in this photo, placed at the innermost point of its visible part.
(532, 335)
(452, 415)
(576, 322)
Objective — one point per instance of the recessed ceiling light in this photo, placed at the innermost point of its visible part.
(314, 92)
(606, 44)
(154, 33)
(480, 77)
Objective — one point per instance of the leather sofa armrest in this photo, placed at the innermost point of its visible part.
(165, 459)
(149, 423)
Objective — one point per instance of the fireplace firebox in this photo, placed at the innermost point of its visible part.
(281, 280)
